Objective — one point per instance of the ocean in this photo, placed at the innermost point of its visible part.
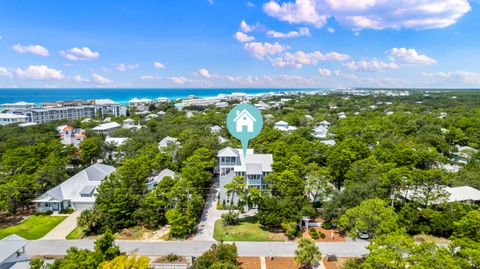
(119, 95)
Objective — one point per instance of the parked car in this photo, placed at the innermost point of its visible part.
(363, 235)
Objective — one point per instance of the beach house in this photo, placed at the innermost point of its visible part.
(106, 128)
(284, 126)
(253, 167)
(77, 192)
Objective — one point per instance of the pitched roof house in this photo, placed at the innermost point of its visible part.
(77, 192)
(284, 126)
(253, 167)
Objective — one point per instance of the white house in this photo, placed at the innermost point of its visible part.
(10, 118)
(244, 119)
(324, 124)
(341, 115)
(151, 116)
(116, 141)
(463, 154)
(106, 128)
(222, 139)
(320, 132)
(130, 124)
(153, 181)
(253, 167)
(284, 126)
(71, 136)
(167, 141)
(215, 129)
(262, 106)
(465, 194)
(328, 142)
(77, 192)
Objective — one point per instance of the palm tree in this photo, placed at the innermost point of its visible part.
(236, 187)
(307, 253)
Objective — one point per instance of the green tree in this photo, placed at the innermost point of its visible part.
(373, 215)
(236, 190)
(91, 149)
(218, 256)
(307, 253)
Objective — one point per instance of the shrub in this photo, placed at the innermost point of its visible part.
(172, 257)
(67, 211)
(46, 213)
(327, 225)
(230, 218)
(313, 233)
(321, 235)
(291, 229)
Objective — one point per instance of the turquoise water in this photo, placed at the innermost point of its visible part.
(119, 95)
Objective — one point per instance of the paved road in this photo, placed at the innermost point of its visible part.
(196, 248)
(209, 216)
(64, 228)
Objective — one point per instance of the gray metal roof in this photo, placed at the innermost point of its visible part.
(87, 190)
(72, 187)
(10, 247)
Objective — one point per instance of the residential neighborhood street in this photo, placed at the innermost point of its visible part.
(196, 248)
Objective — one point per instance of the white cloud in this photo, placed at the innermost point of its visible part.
(464, 77)
(158, 65)
(331, 30)
(246, 28)
(409, 56)
(80, 54)
(178, 80)
(372, 65)
(123, 67)
(250, 4)
(101, 79)
(260, 50)
(211, 2)
(33, 49)
(202, 72)
(303, 31)
(79, 78)
(270, 81)
(39, 72)
(300, 58)
(243, 37)
(150, 77)
(5, 73)
(302, 11)
(372, 14)
(324, 72)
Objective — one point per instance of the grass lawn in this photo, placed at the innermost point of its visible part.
(35, 227)
(77, 233)
(247, 229)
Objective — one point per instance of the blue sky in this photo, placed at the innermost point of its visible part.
(236, 43)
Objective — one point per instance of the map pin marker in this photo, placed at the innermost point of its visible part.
(244, 122)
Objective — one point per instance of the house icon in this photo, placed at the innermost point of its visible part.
(244, 119)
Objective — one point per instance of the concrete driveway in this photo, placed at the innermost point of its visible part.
(64, 228)
(210, 214)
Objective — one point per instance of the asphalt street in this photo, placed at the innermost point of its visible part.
(196, 248)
